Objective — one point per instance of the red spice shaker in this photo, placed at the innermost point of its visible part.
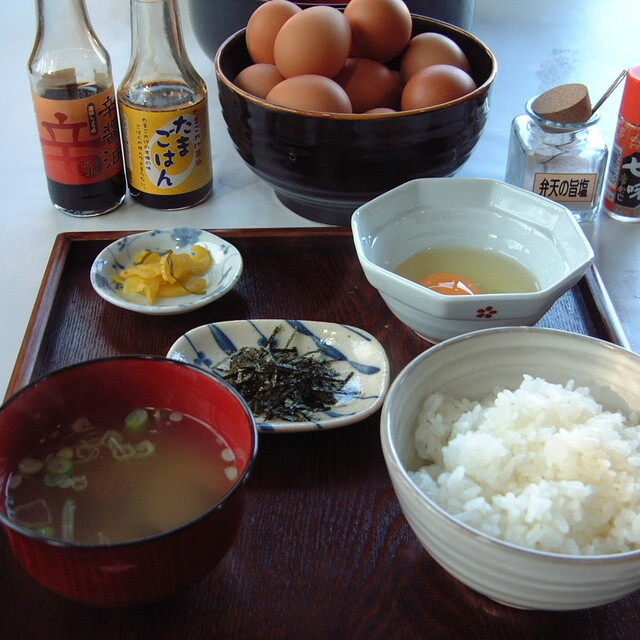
(622, 192)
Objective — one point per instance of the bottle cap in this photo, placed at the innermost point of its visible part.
(630, 105)
(567, 104)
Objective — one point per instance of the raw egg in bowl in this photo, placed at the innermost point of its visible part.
(453, 255)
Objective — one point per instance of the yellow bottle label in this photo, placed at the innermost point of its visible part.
(167, 152)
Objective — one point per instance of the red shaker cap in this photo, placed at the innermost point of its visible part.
(630, 105)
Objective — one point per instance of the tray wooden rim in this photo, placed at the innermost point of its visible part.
(591, 287)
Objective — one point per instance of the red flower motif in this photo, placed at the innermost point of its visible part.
(487, 312)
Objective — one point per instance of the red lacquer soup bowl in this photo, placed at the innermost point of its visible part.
(151, 567)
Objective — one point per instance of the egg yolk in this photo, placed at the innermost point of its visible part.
(449, 284)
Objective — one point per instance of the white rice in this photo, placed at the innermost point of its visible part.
(544, 467)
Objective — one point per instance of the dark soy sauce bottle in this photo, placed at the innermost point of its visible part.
(164, 112)
(76, 111)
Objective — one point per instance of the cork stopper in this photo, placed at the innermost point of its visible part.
(567, 103)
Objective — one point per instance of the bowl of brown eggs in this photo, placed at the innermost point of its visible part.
(332, 108)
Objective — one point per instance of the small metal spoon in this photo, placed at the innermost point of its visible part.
(609, 91)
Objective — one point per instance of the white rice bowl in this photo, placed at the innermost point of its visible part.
(543, 466)
(474, 366)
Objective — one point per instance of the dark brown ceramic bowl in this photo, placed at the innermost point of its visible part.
(325, 165)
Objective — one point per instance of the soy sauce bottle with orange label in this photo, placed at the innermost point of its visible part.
(164, 113)
(76, 111)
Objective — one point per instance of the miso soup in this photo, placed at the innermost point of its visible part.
(121, 480)
(475, 270)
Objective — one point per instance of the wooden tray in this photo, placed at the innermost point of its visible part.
(325, 551)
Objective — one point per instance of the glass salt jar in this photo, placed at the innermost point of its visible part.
(564, 162)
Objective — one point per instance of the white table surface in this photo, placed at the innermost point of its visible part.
(538, 44)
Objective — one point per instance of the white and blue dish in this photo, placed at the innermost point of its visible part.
(352, 350)
(221, 277)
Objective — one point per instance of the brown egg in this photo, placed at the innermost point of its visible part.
(315, 41)
(311, 93)
(258, 79)
(263, 27)
(380, 29)
(436, 85)
(427, 49)
(369, 84)
(380, 110)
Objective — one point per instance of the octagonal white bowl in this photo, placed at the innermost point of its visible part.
(432, 213)
(471, 366)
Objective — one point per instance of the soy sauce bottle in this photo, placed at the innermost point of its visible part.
(76, 111)
(164, 113)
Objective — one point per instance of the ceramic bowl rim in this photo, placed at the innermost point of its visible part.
(237, 485)
(391, 450)
(391, 278)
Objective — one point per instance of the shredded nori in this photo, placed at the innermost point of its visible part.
(280, 383)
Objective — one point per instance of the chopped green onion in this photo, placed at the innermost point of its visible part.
(68, 519)
(121, 450)
(79, 483)
(65, 452)
(52, 480)
(86, 452)
(110, 436)
(144, 449)
(81, 424)
(59, 466)
(231, 473)
(137, 420)
(47, 530)
(30, 466)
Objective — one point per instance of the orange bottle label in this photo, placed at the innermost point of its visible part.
(622, 193)
(80, 138)
(167, 152)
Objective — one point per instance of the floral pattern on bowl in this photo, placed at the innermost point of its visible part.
(352, 350)
(221, 277)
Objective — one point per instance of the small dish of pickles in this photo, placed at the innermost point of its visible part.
(166, 271)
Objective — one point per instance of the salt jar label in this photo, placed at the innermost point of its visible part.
(80, 138)
(566, 187)
(166, 150)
